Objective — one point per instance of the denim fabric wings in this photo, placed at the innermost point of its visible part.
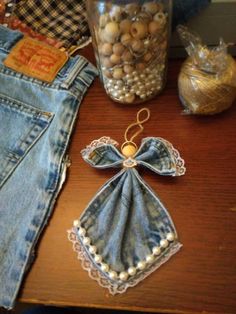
(126, 233)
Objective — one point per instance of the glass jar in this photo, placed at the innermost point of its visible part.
(130, 39)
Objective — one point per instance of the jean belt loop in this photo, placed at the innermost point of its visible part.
(73, 72)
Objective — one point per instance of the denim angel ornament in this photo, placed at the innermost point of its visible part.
(126, 233)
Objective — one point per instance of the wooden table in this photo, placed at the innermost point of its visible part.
(201, 278)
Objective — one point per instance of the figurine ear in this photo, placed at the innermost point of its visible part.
(102, 153)
(160, 156)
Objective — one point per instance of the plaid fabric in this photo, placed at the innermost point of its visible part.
(64, 20)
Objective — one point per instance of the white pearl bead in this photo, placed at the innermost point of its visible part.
(128, 76)
(92, 249)
(142, 88)
(130, 81)
(120, 83)
(156, 250)
(138, 93)
(123, 276)
(149, 258)
(98, 258)
(132, 271)
(104, 267)
(116, 87)
(115, 94)
(170, 237)
(82, 231)
(86, 241)
(164, 243)
(113, 275)
(141, 265)
(76, 223)
(134, 73)
(142, 76)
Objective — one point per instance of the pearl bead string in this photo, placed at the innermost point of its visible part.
(131, 271)
(144, 85)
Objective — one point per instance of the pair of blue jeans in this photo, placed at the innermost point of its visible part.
(36, 121)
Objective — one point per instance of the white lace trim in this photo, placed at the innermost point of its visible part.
(97, 143)
(179, 162)
(105, 282)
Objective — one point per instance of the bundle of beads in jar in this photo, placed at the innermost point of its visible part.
(131, 41)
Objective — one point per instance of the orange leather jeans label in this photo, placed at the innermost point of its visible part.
(36, 59)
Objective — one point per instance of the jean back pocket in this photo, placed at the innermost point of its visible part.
(20, 127)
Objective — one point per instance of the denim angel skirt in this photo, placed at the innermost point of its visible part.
(126, 233)
(36, 120)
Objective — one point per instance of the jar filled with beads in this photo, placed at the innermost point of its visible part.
(130, 40)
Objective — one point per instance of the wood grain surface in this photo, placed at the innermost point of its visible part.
(201, 278)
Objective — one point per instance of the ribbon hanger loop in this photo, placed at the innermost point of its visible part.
(129, 148)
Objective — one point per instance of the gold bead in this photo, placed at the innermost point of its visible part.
(106, 62)
(106, 49)
(132, 9)
(128, 68)
(128, 149)
(116, 13)
(150, 7)
(127, 56)
(118, 49)
(115, 59)
(129, 99)
(125, 26)
(154, 27)
(112, 31)
(107, 73)
(137, 45)
(160, 17)
(102, 35)
(126, 39)
(139, 30)
(103, 20)
(118, 73)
